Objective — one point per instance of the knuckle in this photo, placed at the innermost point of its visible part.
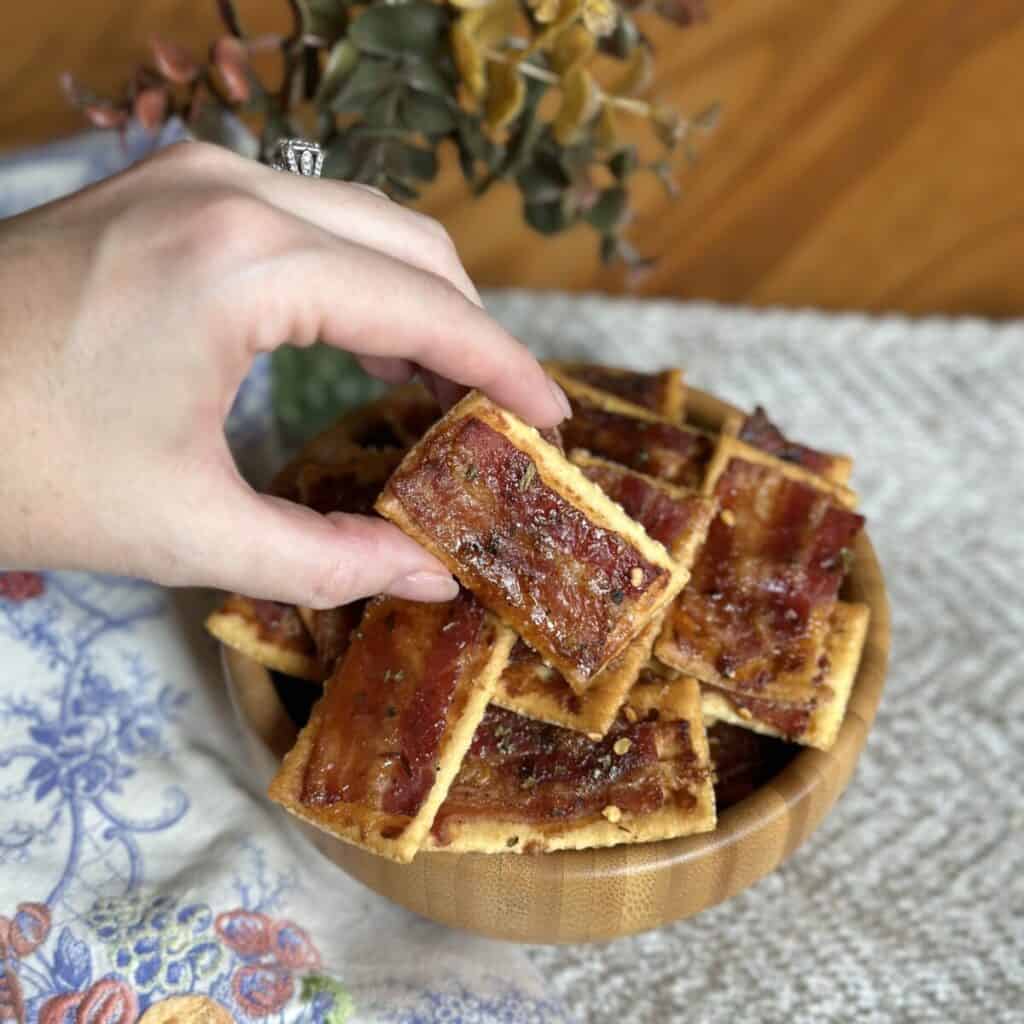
(230, 216)
(194, 157)
(440, 238)
(224, 226)
(331, 585)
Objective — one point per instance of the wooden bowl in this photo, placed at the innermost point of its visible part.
(593, 895)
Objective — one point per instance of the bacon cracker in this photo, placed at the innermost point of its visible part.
(537, 542)
(530, 787)
(383, 744)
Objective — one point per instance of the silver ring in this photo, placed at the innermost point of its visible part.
(298, 157)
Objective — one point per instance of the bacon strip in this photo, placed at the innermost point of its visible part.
(760, 432)
(382, 746)
(675, 517)
(754, 618)
(626, 434)
(270, 633)
(526, 786)
(663, 393)
(537, 543)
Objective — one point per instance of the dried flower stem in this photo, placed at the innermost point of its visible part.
(641, 108)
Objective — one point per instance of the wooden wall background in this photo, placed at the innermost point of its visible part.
(870, 153)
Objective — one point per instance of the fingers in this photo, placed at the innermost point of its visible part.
(376, 306)
(391, 371)
(270, 548)
(357, 212)
(361, 273)
(365, 216)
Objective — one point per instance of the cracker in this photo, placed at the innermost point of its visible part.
(538, 543)
(824, 715)
(676, 517)
(270, 633)
(535, 690)
(383, 744)
(754, 619)
(729, 448)
(760, 432)
(186, 1010)
(613, 429)
(499, 804)
(389, 425)
(662, 392)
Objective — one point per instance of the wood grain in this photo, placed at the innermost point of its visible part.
(594, 895)
(868, 156)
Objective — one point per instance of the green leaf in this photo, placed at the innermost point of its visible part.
(324, 18)
(527, 132)
(415, 28)
(400, 189)
(340, 64)
(342, 1006)
(425, 77)
(408, 161)
(313, 386)
(542, 181)
(370, 77)
(623, 163)
(474, 147)
(471, 135)
(623, 38)
(340, 160)
(431, 115)
(607, 213)
(548, 218)
(382, 110)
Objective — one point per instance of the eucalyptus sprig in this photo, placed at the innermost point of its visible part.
(546, 94)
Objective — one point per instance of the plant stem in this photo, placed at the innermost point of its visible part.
(639, 107)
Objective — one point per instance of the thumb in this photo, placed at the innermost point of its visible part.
(267, 547)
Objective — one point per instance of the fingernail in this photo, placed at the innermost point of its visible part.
(424, 586)
(559, 396)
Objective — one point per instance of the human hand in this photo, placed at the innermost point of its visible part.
(129, 315)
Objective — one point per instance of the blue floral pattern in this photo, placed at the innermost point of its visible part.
(85, 737)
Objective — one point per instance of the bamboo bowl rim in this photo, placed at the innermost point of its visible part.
(596, 895)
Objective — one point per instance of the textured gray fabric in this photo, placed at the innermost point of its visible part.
(908, 903)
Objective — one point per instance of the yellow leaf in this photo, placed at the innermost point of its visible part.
(469, 59)
(491, 25)
(545, 11)
(576, 45)
(580, 96)
(505, 94)
(600, 16)
(470, 5)
(568, 12)
(637, 75)
(607, 129)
